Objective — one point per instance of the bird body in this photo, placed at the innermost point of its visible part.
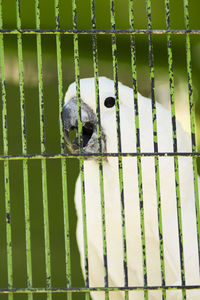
(132, 201)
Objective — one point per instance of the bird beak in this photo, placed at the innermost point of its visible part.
(69, 117)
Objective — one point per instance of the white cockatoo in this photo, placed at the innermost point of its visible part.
(112, 199)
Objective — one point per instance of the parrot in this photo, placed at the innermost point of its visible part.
(153, 238)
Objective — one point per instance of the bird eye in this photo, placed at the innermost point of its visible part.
(109, 102)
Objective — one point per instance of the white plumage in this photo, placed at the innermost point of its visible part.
(131, 199)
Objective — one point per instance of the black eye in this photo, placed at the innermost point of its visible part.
(109, 102)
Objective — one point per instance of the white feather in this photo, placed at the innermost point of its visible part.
(131, 198)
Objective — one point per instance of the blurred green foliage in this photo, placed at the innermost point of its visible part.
(47, 8)
(52, 114)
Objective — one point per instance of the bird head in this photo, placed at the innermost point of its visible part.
(88, 114)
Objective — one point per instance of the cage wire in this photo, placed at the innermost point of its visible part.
(25, 158)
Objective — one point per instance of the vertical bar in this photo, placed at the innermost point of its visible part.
(99, 135)
(63, 160)
(175, 149)
(43, 161)
(171, 73)
(6, 163)
(192, 122)
(174, 134)
(119, 148)
(80, 140)
(139, 166)
(24, 151)
(176, 167)
(155, 141)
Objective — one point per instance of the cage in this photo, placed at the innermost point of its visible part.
(44, 46)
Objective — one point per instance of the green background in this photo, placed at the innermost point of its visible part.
(52, 115)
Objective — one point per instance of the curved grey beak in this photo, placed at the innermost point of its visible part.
(89, 127)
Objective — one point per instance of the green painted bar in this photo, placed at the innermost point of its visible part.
(85, 289)
(72, 155)
(63, 160)
(192, 121)
(120, 165)
(173, 116)
(139, 166)
(155, 140)
(6, 164)
(174, 134)
(24, 151)
(171, 76)
(80, 140)
(98, 31)
(43, 161)
(99, 135)
(180, 225)
(170, 66)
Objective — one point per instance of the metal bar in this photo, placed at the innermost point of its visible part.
(192, 123)
(73, 155)
(139, 166)
(176, 165)
(24, 152)
(43, 161)
(99, 135)
(80, 140)
(176, 169)
(6, 163)
(103, 289)
(63, 160)
(120, 165)
(99, 31)
(155, 144)
(171, 73)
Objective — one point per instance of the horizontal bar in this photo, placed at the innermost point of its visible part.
(91, 289)
(96, 31)
(76, 155)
